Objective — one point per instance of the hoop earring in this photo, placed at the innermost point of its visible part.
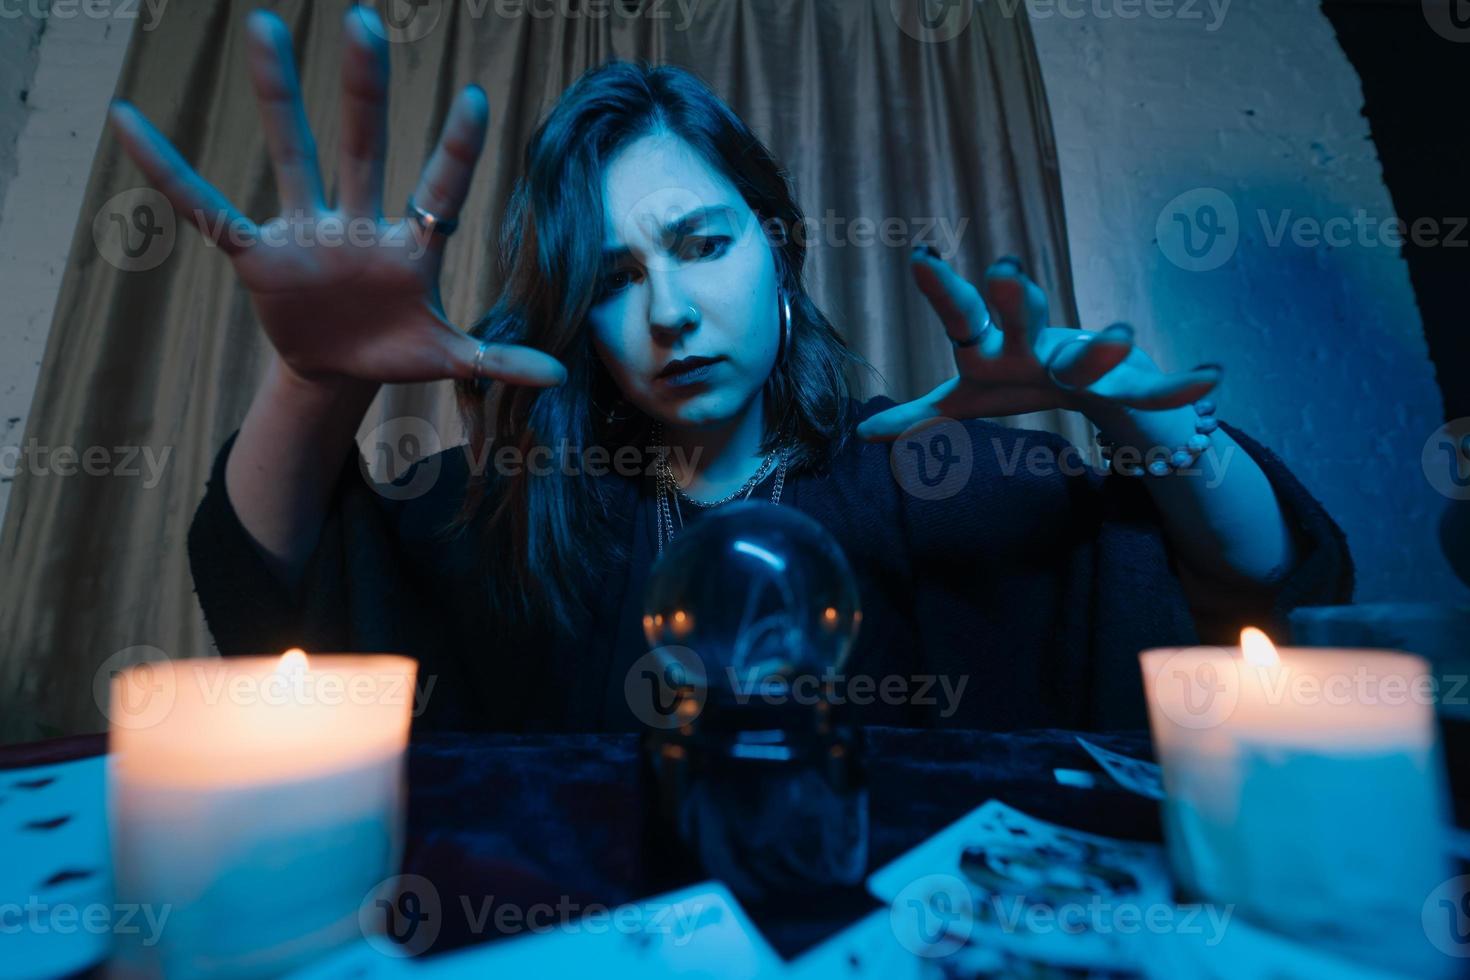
(784, 347)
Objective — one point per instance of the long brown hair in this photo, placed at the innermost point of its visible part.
(546, 536)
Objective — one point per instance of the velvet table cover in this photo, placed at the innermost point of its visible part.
(502, 819)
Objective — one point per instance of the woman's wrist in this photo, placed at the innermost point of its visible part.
(325, 394)
(1140, 429)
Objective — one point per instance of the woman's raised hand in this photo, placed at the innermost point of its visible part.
(1020, 364)
(342, 292)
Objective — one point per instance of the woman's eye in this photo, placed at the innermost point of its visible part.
(706, 246)
(615, 282)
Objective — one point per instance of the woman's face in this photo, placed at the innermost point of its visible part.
(688, 277)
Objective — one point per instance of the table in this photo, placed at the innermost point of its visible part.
(527, 819)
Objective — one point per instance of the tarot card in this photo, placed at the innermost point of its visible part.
(1005, 880)
(1135, 775)
(697, 932)
(870, 948)
(57, 867)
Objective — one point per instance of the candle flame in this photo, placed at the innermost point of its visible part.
(1257, 648)
(293, 661)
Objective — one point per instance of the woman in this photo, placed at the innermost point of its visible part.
(653, 297)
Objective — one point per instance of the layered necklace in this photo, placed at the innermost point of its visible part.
(670, 492)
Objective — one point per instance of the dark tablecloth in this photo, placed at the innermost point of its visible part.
(521, 820)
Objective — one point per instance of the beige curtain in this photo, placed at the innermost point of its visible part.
(878, 116)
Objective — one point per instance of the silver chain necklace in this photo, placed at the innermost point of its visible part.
(669, 489)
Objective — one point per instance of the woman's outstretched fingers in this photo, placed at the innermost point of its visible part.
(891, 423)
(1172, 390)
(1019, 303)
(445, 181)
(364, 114)
(511, 363)
(192, 196)
(1079, 361)
(282, 114)
(956, 300)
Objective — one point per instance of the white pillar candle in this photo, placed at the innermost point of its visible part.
(255, 802)
(1304, 786)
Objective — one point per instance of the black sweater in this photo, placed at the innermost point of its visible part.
(1038, 586)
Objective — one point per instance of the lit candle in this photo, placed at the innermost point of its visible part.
(1305, 787)
(256, 803)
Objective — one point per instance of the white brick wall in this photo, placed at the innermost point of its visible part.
(1323, 348)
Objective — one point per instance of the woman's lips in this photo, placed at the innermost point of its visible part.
(695, 373)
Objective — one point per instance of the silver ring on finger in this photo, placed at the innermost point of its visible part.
(478, 365)
(1051, 362)
(431, 222)
(979, 335)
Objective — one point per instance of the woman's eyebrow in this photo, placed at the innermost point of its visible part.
(673, 231)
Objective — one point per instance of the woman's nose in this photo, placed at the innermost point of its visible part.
(670, 311)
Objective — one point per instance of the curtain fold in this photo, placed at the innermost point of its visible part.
(947, 140)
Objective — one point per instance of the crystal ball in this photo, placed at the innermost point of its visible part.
(752, 594)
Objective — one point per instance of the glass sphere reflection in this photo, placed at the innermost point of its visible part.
(758, 593)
